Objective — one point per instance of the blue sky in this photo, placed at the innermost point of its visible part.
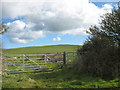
(104, 0)
(54, 26)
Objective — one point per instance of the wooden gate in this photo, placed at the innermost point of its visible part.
(31, 62)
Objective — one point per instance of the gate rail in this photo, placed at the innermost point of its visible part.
(17, 63)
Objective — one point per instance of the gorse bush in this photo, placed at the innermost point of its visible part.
(100, 55)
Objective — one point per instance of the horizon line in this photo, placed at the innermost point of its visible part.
(40, 46)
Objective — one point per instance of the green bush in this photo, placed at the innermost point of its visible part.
(103, 62)
(100, 55)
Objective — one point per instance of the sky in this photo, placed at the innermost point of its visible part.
(50, 22)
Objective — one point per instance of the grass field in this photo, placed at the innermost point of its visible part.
(17, 65)
(66, 77)
(59, 78)
(43, 49)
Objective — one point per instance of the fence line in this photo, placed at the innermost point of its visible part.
(31, 54)
(35, 62)
(30, 62)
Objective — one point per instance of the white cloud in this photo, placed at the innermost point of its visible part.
(20, 32)
(53, 16)
(17, 25)
(57, 39)
(107, 7)
(76, 32)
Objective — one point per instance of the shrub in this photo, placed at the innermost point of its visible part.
(100, 55)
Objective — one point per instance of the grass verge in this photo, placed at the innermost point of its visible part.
(59, 78)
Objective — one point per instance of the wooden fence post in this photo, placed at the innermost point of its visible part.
(64, 58)
(45, 57)
(23, 61)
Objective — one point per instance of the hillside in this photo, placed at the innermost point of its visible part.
(43, 49)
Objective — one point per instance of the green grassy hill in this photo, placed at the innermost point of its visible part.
(43, 49)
